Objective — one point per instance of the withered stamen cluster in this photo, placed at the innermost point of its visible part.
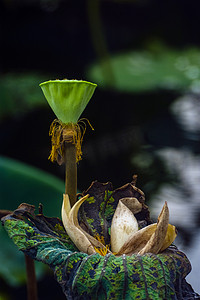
(62, 133)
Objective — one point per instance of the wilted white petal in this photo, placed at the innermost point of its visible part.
(124, 224)
(137, 240)
(157, 239)
(73, 217)
(73, 213)
(170, 237)
(154, 238)
(75, 234)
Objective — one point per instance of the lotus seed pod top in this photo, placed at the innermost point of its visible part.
(68, 98)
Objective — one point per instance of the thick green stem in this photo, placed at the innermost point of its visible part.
(31, 279)
(71, 172)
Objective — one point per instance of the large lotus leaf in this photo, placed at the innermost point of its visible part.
(68, 98)
(20, 183)
(85, 276)
(151, 69)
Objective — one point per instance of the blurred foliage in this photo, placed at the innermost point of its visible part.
(20, 93)
(21, 183)
(12, 263)
(156, 68)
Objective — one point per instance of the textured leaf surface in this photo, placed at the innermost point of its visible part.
(96, 277)
(85, 276)
(28, 185)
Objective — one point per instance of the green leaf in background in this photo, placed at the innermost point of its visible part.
(22, 183)
(19, 93)
(12, 262)
(146, 70)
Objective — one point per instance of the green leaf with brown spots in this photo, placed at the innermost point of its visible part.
(91, 277)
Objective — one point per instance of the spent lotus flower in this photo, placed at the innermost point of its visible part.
(110, 249)
(126, 237)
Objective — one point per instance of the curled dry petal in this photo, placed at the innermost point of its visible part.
(170, 237)
(157, 239)
(137, 240)
(73, 216)
(75, 234)
(124, 225)
(153, 238)
(83, 240)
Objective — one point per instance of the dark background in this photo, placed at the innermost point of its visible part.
(63, 39)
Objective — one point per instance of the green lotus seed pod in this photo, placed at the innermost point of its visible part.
(68, 98)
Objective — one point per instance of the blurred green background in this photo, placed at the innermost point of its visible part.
(145, 57)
